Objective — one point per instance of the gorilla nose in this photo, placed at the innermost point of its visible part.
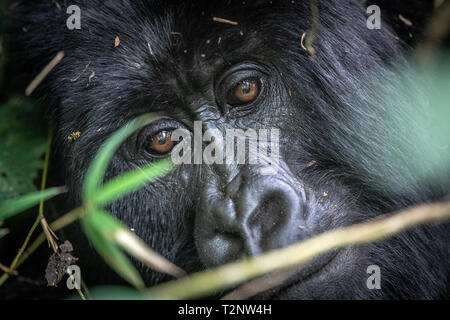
(250, 219)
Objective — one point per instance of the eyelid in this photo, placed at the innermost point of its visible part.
(242, 66)
(239, 72)
(163, 124)
(230, 79)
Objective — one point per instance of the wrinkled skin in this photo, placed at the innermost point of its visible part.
(344, 146)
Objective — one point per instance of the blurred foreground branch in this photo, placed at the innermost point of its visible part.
(209, 282)
(435, 34)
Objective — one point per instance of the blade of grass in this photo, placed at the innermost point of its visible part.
(100, 228)
(137, 248)
(131, 181)
(103, 228)
(96, 172)
(11, 208)
(210, 281)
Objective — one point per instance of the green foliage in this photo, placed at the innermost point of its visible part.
(429, 157)
(22, 145)
(96, 172)
(101, 228)
(23, 142)
(12, 207)
(131, 181)
(105, 232)
(439, 126)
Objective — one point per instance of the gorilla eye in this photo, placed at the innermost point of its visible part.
(161, 143)
(245, 92)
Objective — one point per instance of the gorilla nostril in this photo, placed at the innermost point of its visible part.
(265, 217)
(248, 220)
(278, 208)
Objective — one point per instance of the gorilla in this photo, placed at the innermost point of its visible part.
(348, 142)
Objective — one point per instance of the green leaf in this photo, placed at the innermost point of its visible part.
(11, 208)
(22, 145)
(131, 181)
(101, 228)
(136, 247)
(96, 172)
(440, 116)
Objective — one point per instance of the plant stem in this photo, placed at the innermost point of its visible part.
(60, 223)
(208, 282)
(13, 265)
(48, 232)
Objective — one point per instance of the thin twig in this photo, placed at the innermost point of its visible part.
(260, 285)
(150, 48)
(40, 216)
(19, 277)
(47, 230)
(82, 72)
(76, 285)
(62, 222)
(44, 73)
(222, 20)
(312, 33)
(8, 270)
(41, 208)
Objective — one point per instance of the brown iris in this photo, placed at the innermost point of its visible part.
(162, 143)
(247, 91)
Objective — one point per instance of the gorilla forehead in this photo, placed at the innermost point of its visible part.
(176, 38)
(169, 52)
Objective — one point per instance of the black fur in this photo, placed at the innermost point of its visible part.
(344, 109)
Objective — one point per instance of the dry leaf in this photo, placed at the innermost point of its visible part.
(217, 19)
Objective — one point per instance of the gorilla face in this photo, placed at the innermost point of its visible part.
(339, 132)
